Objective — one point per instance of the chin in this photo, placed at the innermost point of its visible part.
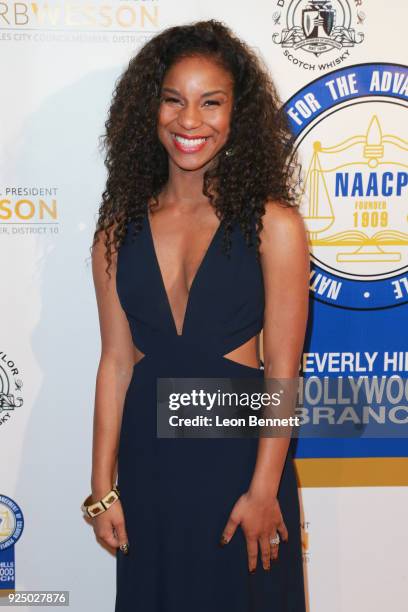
(190, 163)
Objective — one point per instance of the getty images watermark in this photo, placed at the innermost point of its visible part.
(301, 407)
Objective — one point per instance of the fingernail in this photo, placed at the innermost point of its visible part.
(124, 548)
(267, 568)
(223, 541)
(252, 571)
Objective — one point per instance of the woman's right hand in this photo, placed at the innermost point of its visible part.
(109, 526)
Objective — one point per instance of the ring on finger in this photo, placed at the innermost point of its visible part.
(275, 540)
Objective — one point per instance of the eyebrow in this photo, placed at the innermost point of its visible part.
(206, 94)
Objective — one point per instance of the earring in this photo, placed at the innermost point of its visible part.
(229, 152)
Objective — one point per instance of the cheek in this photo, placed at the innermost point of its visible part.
(222, 124)
(165, 116)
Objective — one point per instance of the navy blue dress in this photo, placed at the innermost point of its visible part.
(177, 494)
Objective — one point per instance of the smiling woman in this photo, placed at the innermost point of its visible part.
(200, 227)
(191, 119)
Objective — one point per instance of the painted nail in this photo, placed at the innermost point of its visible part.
(124, 548)
(252, 571)
(267, 569)
(223, 541)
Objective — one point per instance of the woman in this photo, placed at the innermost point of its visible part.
(199, 246)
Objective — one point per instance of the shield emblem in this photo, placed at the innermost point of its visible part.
(317, 22)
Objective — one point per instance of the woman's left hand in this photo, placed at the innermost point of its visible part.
(261, 519)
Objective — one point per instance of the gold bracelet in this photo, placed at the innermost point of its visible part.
(92, 509)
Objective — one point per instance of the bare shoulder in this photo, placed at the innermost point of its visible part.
(283, 229)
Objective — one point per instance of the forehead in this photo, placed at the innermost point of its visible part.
(197, 72)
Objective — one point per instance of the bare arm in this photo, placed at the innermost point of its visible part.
(113, 376)
(285, 264)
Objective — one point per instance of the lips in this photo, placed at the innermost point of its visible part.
(189, 144)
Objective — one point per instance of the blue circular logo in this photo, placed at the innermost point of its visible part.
(11, 522)
(349, 130)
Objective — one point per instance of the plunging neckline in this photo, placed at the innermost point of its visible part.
(193, 282)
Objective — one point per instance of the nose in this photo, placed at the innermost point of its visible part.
(189, 117)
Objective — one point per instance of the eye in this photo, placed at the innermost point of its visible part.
(170, 99)
(212, 102)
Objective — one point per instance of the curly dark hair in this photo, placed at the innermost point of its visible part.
(262, 164)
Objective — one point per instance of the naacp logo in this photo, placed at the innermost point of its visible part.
(10, 388)
(316, 27)
(11, 522)
(350, 132)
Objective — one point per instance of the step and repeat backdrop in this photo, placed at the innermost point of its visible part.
(340, 68)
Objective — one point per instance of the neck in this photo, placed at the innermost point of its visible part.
(184, 186)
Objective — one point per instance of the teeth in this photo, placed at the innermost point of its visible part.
(187, 142)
